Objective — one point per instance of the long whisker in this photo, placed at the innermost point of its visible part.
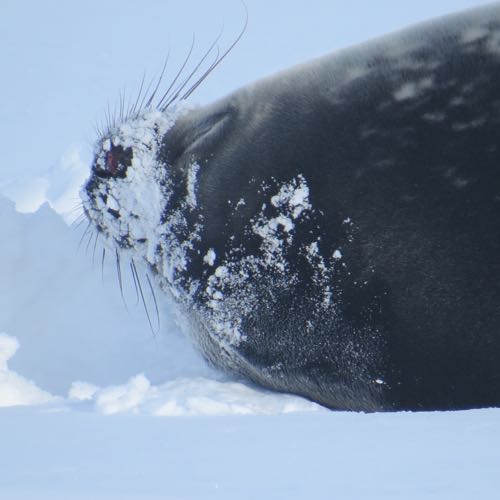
(109, 120)
(186, 80)
(102, 263)
(119, 272)
(134, 270)
(76, 208)
(135, 284)
(83, 235)
(95, 246)
(156, 303)
(177, 76)
(222, 57)
(203, 76)
(122, 105)
(132, 110)
(78, 221)
(91, 236)
(153, 94)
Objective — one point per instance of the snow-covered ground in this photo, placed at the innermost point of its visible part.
(93, 404)
(82, 455)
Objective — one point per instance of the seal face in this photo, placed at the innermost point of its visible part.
(334, 230)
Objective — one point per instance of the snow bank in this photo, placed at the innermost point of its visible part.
(14, 389)
(82, 344)
(187, 397)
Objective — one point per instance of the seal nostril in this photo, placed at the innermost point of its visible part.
(114, 213)
(112, 163)
(116, 162)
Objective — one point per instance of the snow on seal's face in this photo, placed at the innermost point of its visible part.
(148, 209)
(129, 188)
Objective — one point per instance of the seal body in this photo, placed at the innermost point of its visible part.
(334, 230)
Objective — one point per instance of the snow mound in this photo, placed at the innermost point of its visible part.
(15, 390)
(187, 397)
(83, 348)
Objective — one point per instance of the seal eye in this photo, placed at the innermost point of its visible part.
(116, 162)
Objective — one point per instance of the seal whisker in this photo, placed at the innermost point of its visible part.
(76, 212)
(202, 77)
(134, 270)
(176, 93)
(91, 236)
(102, 262)
(158, 83)
(79, 221)
(109, 121)
(155, 302)
(120, 281)
(102, 126)
(76, 208)
(122, 105)
(95, 246)
(116, 111)
(133, 108)
(135, 284)
(177, 76)
(222, 57)
(145, 96)
(98, 130)
(84, 234)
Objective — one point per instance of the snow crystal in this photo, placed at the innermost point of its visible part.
(241, 203)
(221, 272)
(295, 195)
(292, 201)
(209, 258)
(191, 184)
(313, 248)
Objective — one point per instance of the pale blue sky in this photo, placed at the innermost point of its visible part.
(62, 61)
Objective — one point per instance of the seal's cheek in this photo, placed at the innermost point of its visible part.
(197, 131)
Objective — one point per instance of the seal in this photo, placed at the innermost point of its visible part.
(334, 230)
